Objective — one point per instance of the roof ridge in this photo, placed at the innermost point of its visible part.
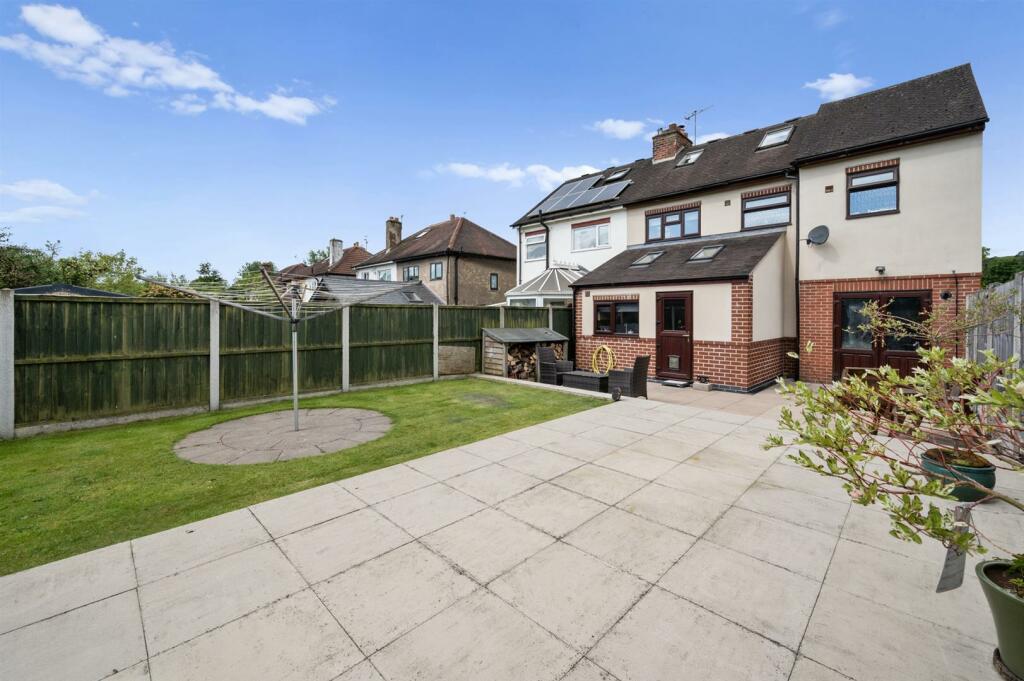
(455, 233)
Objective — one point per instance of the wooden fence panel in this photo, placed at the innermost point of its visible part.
(526, 317)
(390, 342)
(79, 358)
(564, 321)
(1003, 335)
(462, 326)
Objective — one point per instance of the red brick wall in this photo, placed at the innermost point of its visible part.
(816, 298)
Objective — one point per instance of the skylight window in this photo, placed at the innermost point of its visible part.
(646, 259)
(690, 158)
(617, 175)
(412, 296)
(773, 138)
(706, 253)
(423, 233)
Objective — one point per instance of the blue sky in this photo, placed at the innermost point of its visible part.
(233, 131)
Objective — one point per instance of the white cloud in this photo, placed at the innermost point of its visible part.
(546, 177)
(701, 139)
(839, 86)
(33, 191)
(81, 51)
(830, 18)
(38, 214)
(620, 129)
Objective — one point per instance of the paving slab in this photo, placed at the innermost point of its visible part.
(178, 549)
(580, 448)
(599, 483)
(638, 546)
(57, 587)
(541, 463)
(569, 593)
(325, 550)
(742, 464)
(795, 507)
(769, 600)
(364, 671)
(478, 638)
(571, 425)
(793, 547)
(612, 436)
(190, 603)
(673, 508)
(867, 642)
(298, 511)
(807, 669)
(487, 544)
(806, 481)
(295, 638)
(496, 448)
(637, 464)
(493, 484)
(665, 637)
(385, 483)
(585, 670)
(382, 599)
(552, 509)
(871, 526)
(535, 436)
(707, 483)
(665, 447)
(447, 464)
(428, 509)
(90, 642)
(636, 423)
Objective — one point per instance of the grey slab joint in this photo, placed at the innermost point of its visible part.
(7, 364)
(214, 355)
(345, 316)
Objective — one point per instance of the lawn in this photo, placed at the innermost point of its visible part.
(68, 493)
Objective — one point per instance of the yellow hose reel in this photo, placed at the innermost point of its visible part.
(608, 354)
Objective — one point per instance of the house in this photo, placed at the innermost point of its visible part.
(700, 255)
(340, 261)
(66, 290)
(457, 259)
(352, 290)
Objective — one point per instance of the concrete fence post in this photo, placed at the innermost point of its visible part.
(551, 318)
(436, 359)
(501, 316)
(214, 355)
(6, 364)
(345, 316)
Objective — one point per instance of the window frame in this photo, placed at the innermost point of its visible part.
(850, 190)
(786, 128)
(695, 155)
(653, 255)
(744, 211)
(682, 225)
(440, 274)
(409, 268)
(708, 258)
(543, 236)
(493, 281)
(611, 304)
(596, 225)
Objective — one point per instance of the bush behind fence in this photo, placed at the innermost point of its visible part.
(83, 358)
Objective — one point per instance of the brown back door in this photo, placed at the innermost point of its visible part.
(675, 335)
(852, 347)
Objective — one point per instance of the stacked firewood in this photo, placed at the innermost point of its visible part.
(522, 361)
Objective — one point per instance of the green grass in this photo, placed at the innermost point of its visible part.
(67, 493)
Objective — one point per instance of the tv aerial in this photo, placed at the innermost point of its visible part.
(692, 116)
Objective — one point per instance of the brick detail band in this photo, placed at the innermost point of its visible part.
(778, 189)
(631, 297)
(873, 166)
(672, 209)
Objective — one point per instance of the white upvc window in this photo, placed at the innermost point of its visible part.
(587, 237)
(384, 275)
(536, 245)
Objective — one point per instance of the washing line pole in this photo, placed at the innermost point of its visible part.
(295, 365)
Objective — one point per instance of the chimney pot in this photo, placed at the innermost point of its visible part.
(668, 142)
(335, 251)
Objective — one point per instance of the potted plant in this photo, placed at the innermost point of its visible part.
(906, 442)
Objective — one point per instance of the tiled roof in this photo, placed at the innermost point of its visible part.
(938, 103)
(454, 235)
(350, 258)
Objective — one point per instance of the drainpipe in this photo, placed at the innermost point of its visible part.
(796, 262)
(455, 282)
(547, 244)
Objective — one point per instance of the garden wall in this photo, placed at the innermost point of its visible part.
(84, 358)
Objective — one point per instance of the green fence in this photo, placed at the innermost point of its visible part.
(82, 358)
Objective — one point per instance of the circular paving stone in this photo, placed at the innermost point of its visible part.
(265, 438)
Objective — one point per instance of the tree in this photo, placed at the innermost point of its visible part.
(997, 269)
(315, 255)
(208, 276)
(251, 270)
(21, 266)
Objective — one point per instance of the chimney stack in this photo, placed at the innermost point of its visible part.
(392, 233)
(668, 142)
(335, 251)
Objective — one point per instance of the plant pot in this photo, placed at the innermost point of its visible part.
(982, 474)
(1008, 614)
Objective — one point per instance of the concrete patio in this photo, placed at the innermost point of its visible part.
(636, 541)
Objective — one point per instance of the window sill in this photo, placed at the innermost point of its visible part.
(617, 335)
(674, 239)
(534, 259)
(754, 229)
(873, 215)
(586, 250)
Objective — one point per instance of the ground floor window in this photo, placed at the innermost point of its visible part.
(617, 317)
(856, 348)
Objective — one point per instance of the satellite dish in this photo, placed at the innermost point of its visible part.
(818, 235)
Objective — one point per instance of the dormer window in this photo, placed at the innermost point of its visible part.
(617, 175)
(774, 138)
(689, 158)
(706, 253)
(647, 259)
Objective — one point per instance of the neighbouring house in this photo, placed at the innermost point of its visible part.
(457, 259)
(351, 290)
(66, 290)
(551, 287)
(700, 255)
(340, 261)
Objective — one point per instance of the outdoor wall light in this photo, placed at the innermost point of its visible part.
(880, 269)
(945, 295)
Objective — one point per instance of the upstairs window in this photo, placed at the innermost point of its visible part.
(619, 318)
(676, 225)
(411, 273)
(436, 270)
(494, 281)
(589, 235)
(873, 192)
(774, 138)
(766, 211)
(536, 246)
(690, 158)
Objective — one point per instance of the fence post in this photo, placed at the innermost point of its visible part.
(344, 348)
(551, 318)
(436, 368)
(214, 355)
(6, 364)
(501, 316)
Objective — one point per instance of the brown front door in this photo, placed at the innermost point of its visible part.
(852, 347)
(675, 335)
